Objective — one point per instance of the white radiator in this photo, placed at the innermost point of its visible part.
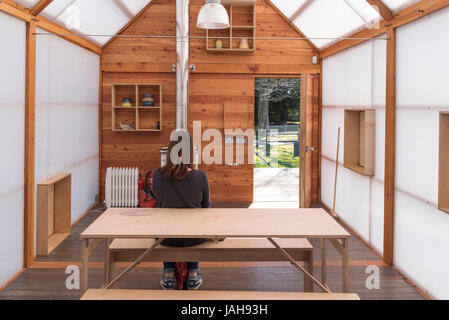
(121, 187)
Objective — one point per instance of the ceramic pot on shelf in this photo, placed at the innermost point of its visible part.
(126, 102)
(219, 44)
(148, 100)
(244, 44)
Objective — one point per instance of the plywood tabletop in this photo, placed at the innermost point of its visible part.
(214, 223)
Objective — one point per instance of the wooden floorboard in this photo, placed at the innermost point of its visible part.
(46, 280)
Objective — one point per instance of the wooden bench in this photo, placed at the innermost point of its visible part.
(229, 250)
(114, 294)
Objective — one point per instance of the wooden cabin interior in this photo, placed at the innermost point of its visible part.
(349, 104)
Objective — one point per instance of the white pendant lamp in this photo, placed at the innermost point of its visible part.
(213, 16)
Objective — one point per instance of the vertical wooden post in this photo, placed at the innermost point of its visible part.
(100, 132)
(320, 126)
(30, 124)
(390, 128)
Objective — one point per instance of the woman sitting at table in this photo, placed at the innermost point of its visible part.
(180, 186)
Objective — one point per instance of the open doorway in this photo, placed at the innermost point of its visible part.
(277, 143)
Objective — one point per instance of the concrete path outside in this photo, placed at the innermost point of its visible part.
(276, 185)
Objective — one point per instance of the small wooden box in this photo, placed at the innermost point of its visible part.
(53, 212)
(359, 141)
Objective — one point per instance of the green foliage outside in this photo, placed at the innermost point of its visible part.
(277, 102)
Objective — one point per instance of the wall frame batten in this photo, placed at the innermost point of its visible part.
(390, 138)
(13, 9)
(30, 124)
(40, 6)
(66, 34)
(15, 12)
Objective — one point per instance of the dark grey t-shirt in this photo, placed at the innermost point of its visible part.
(193, 191)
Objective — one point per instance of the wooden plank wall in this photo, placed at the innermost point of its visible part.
(219, 79)
(270, 57)
(208, 95)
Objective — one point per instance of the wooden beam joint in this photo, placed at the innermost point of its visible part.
(15, 10)
(384, 11)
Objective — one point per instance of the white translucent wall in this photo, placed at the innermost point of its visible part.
(355, 79)
(326, 20)
(397, 5)
(99, 20)
(421, 230)
(12, 129)
(67, 117)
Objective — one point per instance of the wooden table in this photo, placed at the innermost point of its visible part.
(134, 223)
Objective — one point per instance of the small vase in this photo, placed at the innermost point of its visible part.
(219, 44)
(126, 102)
(244, 44)
(148, 100)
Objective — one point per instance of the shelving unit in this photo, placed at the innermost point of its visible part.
(359, 141)
(53, 212)
(242, 18)
(443, 184)
(139, 117)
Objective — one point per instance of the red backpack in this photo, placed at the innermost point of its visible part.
(147, 198)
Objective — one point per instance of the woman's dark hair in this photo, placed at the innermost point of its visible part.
(179, 171)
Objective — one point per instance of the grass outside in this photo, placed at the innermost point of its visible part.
(285, 157)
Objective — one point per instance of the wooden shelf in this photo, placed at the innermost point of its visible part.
(359, 141)
(443, 180)
(243, 27)
(53, 213)
(242, 18)
(139, 117)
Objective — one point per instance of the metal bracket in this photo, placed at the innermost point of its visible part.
(173, 67)
(193, 67)
(309, 149)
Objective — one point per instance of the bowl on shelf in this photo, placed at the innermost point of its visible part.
(126, 126)
(148, 100)
(126, 102)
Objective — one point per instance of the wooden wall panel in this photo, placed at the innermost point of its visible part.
(219, 79)
(145, 54)
(208, 95)
(271, 56)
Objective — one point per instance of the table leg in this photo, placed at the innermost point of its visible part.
(345, 261)
(84, 266)
(308, 283)
(323, 263)
(107, 262)
(87, 246)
